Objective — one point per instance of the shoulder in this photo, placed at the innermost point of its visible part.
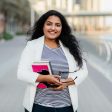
(35, 41)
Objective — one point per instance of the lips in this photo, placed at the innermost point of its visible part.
(52, 33)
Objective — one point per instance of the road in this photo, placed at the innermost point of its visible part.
(95, 93)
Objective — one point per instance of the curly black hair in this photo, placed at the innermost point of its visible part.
(66, 36)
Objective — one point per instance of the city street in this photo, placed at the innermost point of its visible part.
(95, 93)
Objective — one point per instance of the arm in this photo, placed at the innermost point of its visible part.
(50, 79)
(24, 71)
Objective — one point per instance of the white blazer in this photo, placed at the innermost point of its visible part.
(32, 53)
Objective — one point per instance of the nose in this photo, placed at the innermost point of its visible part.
(53, 27)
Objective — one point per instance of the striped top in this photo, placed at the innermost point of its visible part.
(48, 97)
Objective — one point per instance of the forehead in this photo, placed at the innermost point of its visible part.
(54, 19)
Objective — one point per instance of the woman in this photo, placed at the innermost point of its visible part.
(52, 40)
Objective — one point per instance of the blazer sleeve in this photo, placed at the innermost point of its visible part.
(81, 74)
(24, 71)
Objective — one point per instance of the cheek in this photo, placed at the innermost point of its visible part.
(45, 29)
(60, 30)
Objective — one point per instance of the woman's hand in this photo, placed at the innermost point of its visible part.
(50, 79)
(65, 83)
(67, 80)
(61, 87)
(53, 79)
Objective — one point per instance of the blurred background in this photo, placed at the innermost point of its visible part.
(91, 23)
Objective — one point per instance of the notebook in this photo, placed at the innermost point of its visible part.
(42, 67)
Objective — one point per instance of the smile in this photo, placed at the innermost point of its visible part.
(52, 32)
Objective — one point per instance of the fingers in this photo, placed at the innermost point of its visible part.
(57, 82)
(53, 80)
(59, 88)
(63, 80)
(57, 77)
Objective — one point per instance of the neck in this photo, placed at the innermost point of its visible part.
(51, 43)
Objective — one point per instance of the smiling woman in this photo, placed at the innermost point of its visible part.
(52, 27)
(52, 40)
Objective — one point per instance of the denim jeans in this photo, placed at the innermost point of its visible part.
(39, 108)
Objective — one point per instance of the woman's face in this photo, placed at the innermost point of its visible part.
(52, 27)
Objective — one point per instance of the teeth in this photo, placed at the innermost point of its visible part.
(52, 32)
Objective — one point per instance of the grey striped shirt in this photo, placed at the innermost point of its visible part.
(48, 97)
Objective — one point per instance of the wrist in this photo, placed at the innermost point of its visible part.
(42, 78)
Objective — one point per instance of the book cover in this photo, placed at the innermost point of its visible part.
(44, 68)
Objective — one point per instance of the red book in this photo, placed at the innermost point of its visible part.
(42, 67)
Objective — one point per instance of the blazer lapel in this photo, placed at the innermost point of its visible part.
(70, 59)
(39, 48)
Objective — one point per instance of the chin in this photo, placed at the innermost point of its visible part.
(53, 38)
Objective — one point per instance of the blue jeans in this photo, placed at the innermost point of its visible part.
(39, 108)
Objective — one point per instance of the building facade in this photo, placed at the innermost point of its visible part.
(81, 9)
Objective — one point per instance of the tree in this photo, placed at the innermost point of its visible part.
(17, 10)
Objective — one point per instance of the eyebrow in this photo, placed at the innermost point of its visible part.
(51, 22)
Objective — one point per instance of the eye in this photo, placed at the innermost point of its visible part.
(58, 25)
(48, 23)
